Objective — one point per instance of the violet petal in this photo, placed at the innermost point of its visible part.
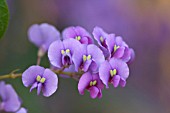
(93, 92)
(104, 72)
(51, 83)
(96, 53)
(84, 82)
(29, 76)
(54, 53)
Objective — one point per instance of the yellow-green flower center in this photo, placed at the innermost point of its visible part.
(78, 38)
(101, 39)
(88, 57)
(113, 72)
(39, 79)
(67, 51)
(93, 83)
(116, 47)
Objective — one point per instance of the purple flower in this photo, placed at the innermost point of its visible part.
(41, 79)
(78, 33)
(117, 48)
(9, 100)
(87, 57)
(114, 71)
(60, 52)
(43, 35)
(92, 83)
(100, 36)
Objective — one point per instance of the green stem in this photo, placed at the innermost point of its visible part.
(11, 75)
(17, 75)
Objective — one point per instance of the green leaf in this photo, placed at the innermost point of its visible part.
(4, 17)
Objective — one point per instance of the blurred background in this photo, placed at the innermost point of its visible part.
(144, 25)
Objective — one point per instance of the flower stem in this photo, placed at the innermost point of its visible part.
(13, 75)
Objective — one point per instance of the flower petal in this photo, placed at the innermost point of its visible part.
(119, 52)
(78, 56)
(110, 42)
(121, 66)
(84, 82)
(54, 53)
(99, 82)
(93, 66)
(104, 72)
(43, 35)
(2, 91)
(22, 110)
(84, 40)
(51, 83)
(80, 31)
(69, 32)
(39, 87)
(71, 44)
(34, 86)
(120, 42)
(132, 56)
(94, 91)
(115, 80)
(12, 103)
(98, 33)
(50, 34)
(100, 94)
(29, 75)
(87, 65)
(127, 55)
(34, 35)
(72, 32)
(123, 82)
(96, 53)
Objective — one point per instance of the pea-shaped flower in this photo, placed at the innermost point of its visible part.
(114, 71)
(92, 83)
(9, 100)
(117, 48)
(43, 35)
(78, 33)
(60, 52)
(88, 57)
(100, 36)
(40, 78)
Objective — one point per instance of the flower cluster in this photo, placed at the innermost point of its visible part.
(74, 53)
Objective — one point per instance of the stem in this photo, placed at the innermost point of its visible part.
(11, 75)
(38, 60)
(40, 54)
(17, 75)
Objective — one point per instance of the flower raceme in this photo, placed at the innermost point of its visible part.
(75, 55)
(72, 55)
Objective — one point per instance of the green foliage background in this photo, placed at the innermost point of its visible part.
(4, 17)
